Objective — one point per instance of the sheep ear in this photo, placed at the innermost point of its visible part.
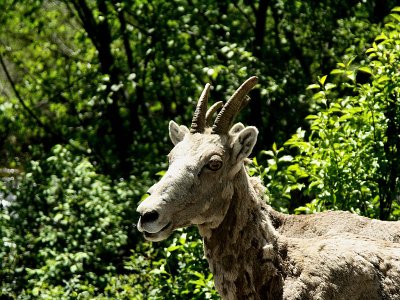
(236, 128)
(176, 132)
(244, 142)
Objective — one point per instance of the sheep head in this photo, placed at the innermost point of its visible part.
(198, 185)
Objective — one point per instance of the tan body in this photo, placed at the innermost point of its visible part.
(257, 253)
(253, 251)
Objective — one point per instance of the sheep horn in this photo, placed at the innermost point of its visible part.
(198, 120)
(224, 120)
(211, 111)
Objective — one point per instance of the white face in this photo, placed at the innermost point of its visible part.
(197, 186)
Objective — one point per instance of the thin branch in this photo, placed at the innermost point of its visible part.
(140, 28)
(277, 19)
(253, 7)
(298, 53)
(57, 137)
(247, 17)
(21, 101)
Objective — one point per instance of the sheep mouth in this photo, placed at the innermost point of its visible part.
(162, 234)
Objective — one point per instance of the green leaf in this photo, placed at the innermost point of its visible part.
(182, 238)
(395, 16)
(144, 197)
(268, 153)
(286, 158)
(313, 86)
(351, 75)
(329, 86)
(58, 217)
(319, 95)
(390, 25)
(323, 79)
(311, 117)
(198, 274)
(198, 282)
(381, 37)
(161, 173)
(345, 117)
(383, 79)
(337, 71)
(73, 268)
(35, 291)
(365, 70)
(350, 61)
(173, 248)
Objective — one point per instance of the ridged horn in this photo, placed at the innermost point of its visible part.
(211, 111)
(199, 116)
(224, 120)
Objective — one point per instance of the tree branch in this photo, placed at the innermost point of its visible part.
(57, 137)
(246, 16)
(125, 38)
(22, 102)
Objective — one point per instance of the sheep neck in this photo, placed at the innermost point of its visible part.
(243, 252)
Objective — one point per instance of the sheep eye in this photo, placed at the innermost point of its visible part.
(215, 163)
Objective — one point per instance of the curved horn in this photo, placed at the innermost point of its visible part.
(211, 111)
(225, 117)
(198, 120)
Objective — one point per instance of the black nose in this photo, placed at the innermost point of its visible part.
(150, 216)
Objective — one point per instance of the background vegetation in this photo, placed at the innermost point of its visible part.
(87, 90)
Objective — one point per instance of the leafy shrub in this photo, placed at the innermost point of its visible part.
(7, 247)
(349, 157)
(176, 269)
(70, 226)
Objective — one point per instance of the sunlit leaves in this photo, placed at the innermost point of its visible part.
(365, 69)
(72, 216)
(175, 271)
(313, 86)
(348, 159)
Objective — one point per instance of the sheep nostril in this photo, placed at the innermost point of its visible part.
(150, 216)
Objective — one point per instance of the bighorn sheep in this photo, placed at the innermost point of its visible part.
(253, 251)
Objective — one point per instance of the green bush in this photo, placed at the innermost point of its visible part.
(70, 225)
(174, 269)
(349, 157)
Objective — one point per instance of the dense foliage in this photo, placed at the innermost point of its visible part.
(105, 76)
(87, 90)
(349, 158)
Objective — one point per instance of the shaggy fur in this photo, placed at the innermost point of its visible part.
(257, 253)
(253, 251)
